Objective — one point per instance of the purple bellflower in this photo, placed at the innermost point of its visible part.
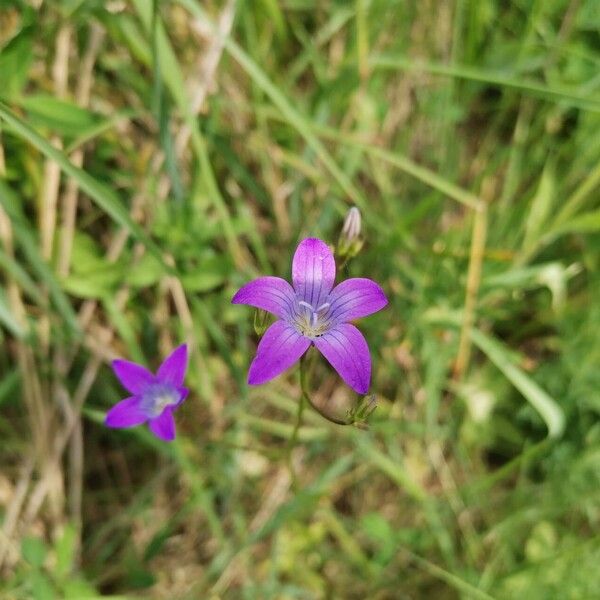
(154, 397)
(313, 312)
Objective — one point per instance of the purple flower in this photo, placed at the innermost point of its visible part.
(313, 312)
(154, 398)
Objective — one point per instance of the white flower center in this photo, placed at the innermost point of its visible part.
(158, 397)
(312, 322)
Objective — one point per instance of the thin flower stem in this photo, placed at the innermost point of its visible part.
(343, 264)
(306, 396)
(294, 437)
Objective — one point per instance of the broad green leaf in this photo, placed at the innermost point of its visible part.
(210, 274)
(34, 551)
(147, 272)
(61, 116)
(65, 548)
(79, 589)
(41, 586)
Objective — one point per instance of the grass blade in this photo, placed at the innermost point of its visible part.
(104, 197)
(553, 94)
(546, 406)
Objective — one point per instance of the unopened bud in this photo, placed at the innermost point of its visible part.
(352, 222)
(350, 242)
(359, 415)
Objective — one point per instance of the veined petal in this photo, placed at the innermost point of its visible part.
(346, 350)
(279, 349)
(127, 413)
(174, 367)
(134, 377)
(355, 298)
(313, 271)
(268, 293)
(163, 426)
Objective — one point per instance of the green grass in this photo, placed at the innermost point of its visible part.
(469, 135)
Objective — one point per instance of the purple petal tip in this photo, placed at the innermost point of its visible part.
(163, 427)
(173, 368)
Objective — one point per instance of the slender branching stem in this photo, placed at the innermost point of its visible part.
(306, 396)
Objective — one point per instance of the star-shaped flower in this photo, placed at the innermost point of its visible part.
(313, 312)
(154, 398)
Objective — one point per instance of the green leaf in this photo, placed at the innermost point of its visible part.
(61, 116)
(174, 79)
(29, 245)
(208, 276)
(543, 403)
(91, 276)
(34, 551)
(8, 319)
(147, 272)
(140, 578)
(95, 282)
(79, 589)
(541, 205)
(65, 552)
(15, 59)
(9, 385)
(586, 223)
(104, 197)
(380, 531)
(41, 587)
(555, 93)
(393, 469)
(287, 109)
(100, 127)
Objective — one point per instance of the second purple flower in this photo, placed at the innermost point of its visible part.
(313, 312)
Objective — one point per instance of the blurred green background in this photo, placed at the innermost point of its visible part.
(154, 156)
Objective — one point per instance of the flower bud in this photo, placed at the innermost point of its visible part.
(359, 414)
(350, 242)
(351, 228)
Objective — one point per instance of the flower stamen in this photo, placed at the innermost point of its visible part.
(312, 323)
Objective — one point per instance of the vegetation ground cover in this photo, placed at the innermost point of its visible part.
(155, 156)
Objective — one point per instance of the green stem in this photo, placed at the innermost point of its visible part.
(306, 396)
(294, 436)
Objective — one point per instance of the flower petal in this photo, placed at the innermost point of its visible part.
(127, 413)
(355, 298)
(183, 394)
(346, 350)
(163, 426)
(134, 377)
(313, 271)
(279, 349)
(269, 293)
(174, 367)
